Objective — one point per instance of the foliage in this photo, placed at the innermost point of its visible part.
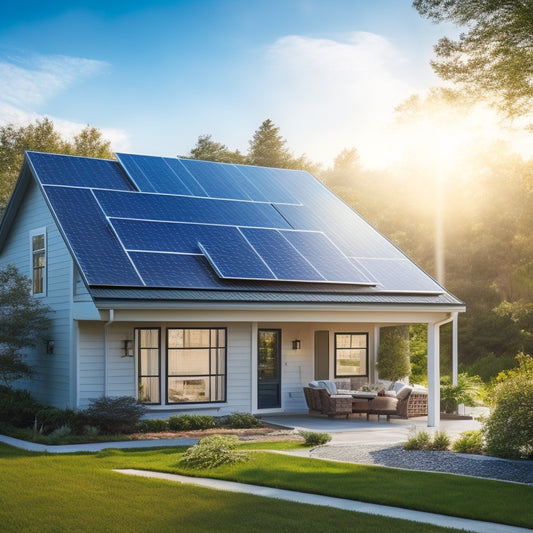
(469, 442)
(214, 451)
(393, 353)
(41, 136)
(114, 415)
(208, 150)
(488, 367)
(493, 58)
(418, 353)
(18, 407)
(190, 422)
(152, 425)
(23, 323)
(466, 391)
(345, 171)
(422, 440)
(49, 419)
(241, 420)
(312, 438)
(508, 431)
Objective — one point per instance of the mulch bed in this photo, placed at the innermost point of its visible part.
(252, 434)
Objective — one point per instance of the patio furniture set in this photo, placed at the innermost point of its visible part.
(326, 398)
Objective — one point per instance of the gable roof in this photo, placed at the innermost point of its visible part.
(144, 225)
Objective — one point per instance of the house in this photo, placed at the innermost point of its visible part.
(206, 287)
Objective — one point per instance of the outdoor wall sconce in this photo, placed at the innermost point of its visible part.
(128, 348)
(296, 344)
(49, 347)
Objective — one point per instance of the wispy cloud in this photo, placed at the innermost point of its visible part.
(347, 89)
(31, 81)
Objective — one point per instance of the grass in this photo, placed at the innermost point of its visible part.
(79, 492)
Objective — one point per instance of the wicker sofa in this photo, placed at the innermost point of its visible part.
(407, 402)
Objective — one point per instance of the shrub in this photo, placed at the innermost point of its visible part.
(49, 419)
(242, 421)
(508, 430)
(422, 440)
(115, 415)
(467, 391)
(469, 442)
(313, 438)
(190, 422)
(18, 407)
(214, 451)
(58, 434)
(152, 425)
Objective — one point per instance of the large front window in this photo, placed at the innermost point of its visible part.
(351, 354)
(196, 365)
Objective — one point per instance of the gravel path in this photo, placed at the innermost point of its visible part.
(450, 462)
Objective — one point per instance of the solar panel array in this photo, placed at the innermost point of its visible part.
(145, 221)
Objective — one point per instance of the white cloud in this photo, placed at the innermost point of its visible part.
(328, 94)
(25, 84)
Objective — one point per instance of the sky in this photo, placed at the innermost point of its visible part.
(155, 75)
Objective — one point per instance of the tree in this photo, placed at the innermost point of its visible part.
(268, 148)
(23, 323)
(346, 168)
(494, 57)
(41, 136)
(393, 353)
(208, 150)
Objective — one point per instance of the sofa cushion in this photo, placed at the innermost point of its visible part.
(404, 392)
(315, 385)
(329, 385)
(398, 386)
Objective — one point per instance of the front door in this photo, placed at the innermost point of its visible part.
(269, 369)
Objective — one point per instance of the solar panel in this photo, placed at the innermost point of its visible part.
(188, 209)
(99, 254)
(282, 258)
(53, 169)
(174, 237)
(153, 174)
(325, 257)
(234, 258)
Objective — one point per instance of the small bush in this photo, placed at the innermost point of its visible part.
(441, 441)
(313, 438)
(59, 434)
(90, 431)
(469, 442)
(241, 421)
(115, 415)
(49, 419)
(214, 451)
(152, 425)
(422, 440)
(190, 422)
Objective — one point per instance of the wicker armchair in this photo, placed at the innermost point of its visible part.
(335, 404)
(312, 397)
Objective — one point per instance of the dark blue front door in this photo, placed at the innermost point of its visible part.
(269, 369)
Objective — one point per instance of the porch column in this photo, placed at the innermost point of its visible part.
(433, 375)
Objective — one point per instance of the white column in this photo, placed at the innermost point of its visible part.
(455, 351)
(253, 367)
(433, 375)
(377, 331)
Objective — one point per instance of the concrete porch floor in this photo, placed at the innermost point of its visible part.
(356, 429)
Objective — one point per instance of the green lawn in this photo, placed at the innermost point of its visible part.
(79, 492)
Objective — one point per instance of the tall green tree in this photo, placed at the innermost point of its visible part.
(346, 169)
(42, 136)
(493, 58)
(208, 150)
(393, 353)
(268, 148)
(23, 323)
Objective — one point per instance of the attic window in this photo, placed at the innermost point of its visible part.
(38, 261)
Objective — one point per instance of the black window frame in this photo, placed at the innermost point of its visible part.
(336, 349)
(210, 375)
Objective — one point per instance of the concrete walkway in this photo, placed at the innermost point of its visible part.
(337, 503)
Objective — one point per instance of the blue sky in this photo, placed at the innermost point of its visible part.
(153, 76)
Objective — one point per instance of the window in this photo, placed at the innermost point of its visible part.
(38, 261)
(196, 365)
(149, 374)
(351, 354)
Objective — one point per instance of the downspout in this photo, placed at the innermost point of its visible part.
(106, 351)
(434, 368)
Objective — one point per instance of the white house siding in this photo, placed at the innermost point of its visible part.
(51, 382)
